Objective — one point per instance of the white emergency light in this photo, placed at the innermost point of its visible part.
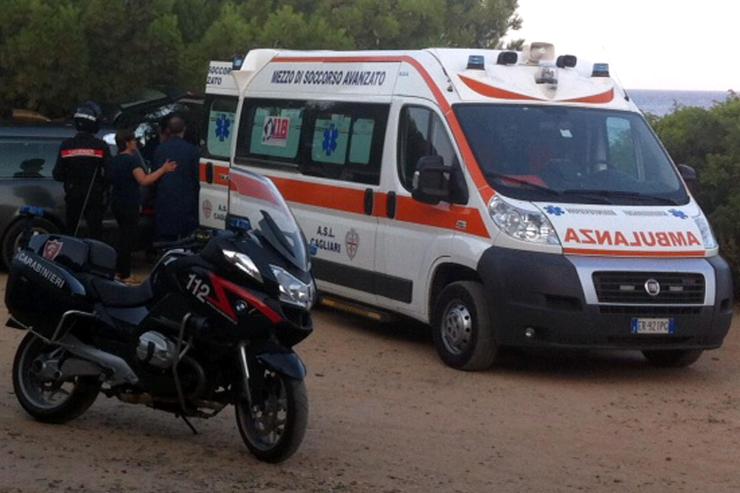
(539, 52)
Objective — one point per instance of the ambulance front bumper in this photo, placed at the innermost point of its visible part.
(543, 300)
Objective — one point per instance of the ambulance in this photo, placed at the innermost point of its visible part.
(505, 198)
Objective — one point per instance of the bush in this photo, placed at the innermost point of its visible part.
(709, 140)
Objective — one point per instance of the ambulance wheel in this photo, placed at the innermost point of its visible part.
(462, 328)
(673, 358)
(12, 239)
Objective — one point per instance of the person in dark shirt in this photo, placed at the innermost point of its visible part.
(127, 175)
(176, 200)
(81, 163)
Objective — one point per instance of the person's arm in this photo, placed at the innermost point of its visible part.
(145, 180)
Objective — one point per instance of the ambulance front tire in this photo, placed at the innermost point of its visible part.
(462, 327)
(673, 358)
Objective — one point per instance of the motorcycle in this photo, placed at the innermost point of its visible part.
(213, 325)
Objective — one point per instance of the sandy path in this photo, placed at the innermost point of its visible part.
(386, 416)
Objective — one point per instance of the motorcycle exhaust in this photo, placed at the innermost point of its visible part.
(121, 372)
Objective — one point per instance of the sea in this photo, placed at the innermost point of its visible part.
(661, 103)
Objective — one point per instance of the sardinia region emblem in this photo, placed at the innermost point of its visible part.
(352, 243)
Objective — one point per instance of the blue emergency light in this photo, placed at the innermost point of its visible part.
(476, 62)
(237, 62)
(600, 70)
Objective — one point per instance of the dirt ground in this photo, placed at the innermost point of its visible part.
(387, 416)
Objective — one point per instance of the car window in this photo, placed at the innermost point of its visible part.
(27, 158)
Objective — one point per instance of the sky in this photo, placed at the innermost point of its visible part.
(650, 44)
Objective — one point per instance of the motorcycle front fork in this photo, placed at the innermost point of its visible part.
(242, 348)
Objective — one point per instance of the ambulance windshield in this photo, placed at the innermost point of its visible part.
(574, 155)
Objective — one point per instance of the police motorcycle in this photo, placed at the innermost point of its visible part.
(213, 325)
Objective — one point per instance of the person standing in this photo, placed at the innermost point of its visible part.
(81, 165)
(176, 200)
(126, 174)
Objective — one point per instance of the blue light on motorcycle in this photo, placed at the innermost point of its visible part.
(238, 224)
(31, 210)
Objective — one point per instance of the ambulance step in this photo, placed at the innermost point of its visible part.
(357, 309)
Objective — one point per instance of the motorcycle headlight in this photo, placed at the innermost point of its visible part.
(292, 290)
(522, 224)
(707, 236)
(244, 264)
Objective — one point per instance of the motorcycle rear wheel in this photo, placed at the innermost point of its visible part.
(273, 426)
(42, 396)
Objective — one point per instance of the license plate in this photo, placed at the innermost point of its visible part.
(653, 326)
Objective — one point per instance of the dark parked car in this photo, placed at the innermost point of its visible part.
(28, 154)
(27, 157)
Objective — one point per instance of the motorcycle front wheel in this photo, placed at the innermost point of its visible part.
(40, 387)
(274, 423)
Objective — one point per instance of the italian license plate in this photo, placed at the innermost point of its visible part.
(653, 326)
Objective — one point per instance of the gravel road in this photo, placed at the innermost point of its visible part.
(387, 416)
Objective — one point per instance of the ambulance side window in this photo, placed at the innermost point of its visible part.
(421, 133)
(270, 131)
(220, 125)
(344, 141)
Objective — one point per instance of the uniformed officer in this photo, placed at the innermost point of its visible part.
(81, 166)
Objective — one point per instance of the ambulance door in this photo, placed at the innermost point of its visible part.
(220, 114)
(324, 157)
(411, 234)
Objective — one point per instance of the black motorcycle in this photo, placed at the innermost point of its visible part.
(213, 325)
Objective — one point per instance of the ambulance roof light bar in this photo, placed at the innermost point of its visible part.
(600, 70)
(476, 62)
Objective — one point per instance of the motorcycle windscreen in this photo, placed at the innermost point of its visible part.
(256, 198)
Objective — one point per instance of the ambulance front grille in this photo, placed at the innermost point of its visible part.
(630, 287)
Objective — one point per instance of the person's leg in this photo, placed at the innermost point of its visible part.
(127, 218)
(73, 211)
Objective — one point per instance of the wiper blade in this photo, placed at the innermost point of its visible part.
(621, 194)
(519, 181)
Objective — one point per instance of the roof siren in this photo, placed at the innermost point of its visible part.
(539, 52)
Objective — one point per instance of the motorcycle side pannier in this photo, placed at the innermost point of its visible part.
(40, 289)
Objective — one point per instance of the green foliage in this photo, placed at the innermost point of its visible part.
(55, 53)
(709, 140)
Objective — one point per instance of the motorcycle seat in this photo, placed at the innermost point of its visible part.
(116, 294)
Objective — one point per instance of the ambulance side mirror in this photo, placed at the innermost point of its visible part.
(690, 176)
(431, 182)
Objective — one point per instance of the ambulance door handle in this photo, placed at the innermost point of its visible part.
(390, 205)
(369, 200)
(209, 173)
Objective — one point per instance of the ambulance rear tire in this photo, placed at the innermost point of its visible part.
(462, 328)
(673, 358)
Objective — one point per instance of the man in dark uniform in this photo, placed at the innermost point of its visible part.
(81, 166)
(176, 200)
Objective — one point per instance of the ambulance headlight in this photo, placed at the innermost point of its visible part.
(707, 236)
(522, 224)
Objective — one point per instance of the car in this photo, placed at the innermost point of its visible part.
(29, 143)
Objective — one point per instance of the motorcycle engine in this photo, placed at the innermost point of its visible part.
(156, 350)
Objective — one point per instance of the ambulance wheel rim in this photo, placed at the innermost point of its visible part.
(457, 328)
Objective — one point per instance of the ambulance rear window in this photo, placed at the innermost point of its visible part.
(221, 118)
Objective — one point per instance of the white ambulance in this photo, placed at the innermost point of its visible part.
(505, 198)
